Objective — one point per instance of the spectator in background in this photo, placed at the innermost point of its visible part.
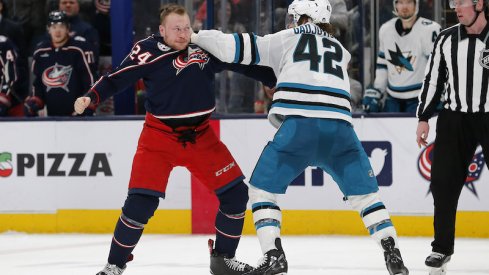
(405, 44)
(63, 70)
(78, 27)
(19, 89)
(8, 77)
(101, 20)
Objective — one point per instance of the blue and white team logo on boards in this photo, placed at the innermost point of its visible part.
(484, 58)
(57, 76)
(380, 156)
(195, 55)
(473, 174)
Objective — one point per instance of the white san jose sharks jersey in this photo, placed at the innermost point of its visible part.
(403, 56)
(310, 65)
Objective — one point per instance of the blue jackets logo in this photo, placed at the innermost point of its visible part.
(57, 76)
(55, 165)
(380, 157)
(473, 174)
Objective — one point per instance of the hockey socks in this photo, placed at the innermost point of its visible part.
(267, 217)
(374, 216)
(230, 219)
(135, 214)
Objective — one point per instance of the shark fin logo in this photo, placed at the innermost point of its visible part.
(473, 174)
(6, 167)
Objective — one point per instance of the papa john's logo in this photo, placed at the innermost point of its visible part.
(474, 171)
(6, 167)
(194, 55)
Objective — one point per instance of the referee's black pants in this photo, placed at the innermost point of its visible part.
(457, 137)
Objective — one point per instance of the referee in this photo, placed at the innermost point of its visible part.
(458, 69)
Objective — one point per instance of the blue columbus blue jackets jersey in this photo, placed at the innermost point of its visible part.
(63, 74)
(178, 83)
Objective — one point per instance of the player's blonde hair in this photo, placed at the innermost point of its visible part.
(168, 9)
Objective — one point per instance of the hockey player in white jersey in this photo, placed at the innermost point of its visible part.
(311, 109)
(405, 44)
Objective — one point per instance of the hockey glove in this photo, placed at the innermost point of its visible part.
(5, 104)
(371, 100)
(32, 105)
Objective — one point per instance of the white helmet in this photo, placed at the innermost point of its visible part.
(318, 10)
(416, 2)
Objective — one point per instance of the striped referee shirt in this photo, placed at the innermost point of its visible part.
(458, 70)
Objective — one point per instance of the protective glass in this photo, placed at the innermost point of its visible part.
(289, 21)
(460, 3)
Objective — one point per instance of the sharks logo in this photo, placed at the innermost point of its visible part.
(402, 60)
(6, 167)
(194, 55)
(474, 171)
(57, 76)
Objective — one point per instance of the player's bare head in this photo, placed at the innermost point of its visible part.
(71, 7)
(406, 9)
(175, 26)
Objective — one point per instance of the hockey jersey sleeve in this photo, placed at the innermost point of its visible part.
(434, 81)
(381, 72)
(135, 65)
(242, 48)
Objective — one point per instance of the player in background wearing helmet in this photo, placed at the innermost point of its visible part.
(405, 43)
(312, 110)
(63, 70)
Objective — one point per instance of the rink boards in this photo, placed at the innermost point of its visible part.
(71, 176)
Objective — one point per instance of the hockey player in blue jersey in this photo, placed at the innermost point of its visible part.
(180, 99)
(63, 70)
(405, 44)
(8, 76)
(311, 109)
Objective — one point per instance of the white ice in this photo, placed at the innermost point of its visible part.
(76, 254)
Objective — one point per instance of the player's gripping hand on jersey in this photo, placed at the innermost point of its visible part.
(371, 100)
(81, 104)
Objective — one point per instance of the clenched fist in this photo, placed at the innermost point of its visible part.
(81, 104)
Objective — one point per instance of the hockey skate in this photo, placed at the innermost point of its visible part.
(437, 263)
(223, 265)
(111, 269)
(393, 259)
(273, 262)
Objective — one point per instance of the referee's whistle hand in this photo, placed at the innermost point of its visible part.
(422, 133)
